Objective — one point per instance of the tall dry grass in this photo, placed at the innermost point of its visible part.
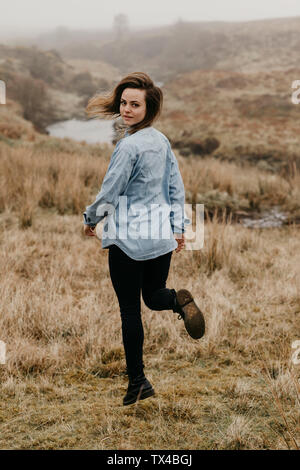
(48, 177)
(64, 176)
(64, 378)
(228, 185)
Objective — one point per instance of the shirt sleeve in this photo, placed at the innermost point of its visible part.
(177, 198)
(113, 185)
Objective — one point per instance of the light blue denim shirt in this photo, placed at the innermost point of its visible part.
(141, 198)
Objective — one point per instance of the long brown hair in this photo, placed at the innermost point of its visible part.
(109, 104)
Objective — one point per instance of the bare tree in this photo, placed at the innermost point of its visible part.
(121, 26)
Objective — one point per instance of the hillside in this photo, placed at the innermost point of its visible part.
(248, 46)
(47, 88)
(185, 46)
(252, 57)
(237, 116)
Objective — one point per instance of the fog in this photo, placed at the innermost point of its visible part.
(32, 16)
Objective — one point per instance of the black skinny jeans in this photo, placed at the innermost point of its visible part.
(129, 277)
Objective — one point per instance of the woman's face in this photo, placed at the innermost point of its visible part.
(133, 105)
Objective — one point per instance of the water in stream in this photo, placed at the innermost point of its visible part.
(92, 131)
(266, 219)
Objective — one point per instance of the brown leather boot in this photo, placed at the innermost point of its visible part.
(139, 388)
(192, 316)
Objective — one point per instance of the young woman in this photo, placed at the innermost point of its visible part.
(142, 198)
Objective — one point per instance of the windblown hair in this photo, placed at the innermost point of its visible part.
(109, 104)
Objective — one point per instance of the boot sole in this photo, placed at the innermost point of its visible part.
(143, 394)
(193, 317)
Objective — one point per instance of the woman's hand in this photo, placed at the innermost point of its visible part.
(89, 231)
(179, 237)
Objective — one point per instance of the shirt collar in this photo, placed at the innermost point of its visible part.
(127, 130)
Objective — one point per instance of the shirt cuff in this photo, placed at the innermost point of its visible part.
(87, 221)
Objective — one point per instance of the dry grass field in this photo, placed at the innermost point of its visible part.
(64, 377)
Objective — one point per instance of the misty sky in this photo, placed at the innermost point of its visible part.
(35, 15)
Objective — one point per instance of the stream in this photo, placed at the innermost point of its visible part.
(266, 219)
(93, 131)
